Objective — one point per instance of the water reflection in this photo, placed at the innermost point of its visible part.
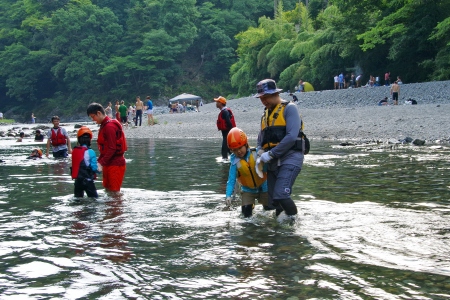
(372, 225)
(114, 239)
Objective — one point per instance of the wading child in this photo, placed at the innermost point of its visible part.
(242, 169)
(84, 165)
(35, 154)
(21, 136)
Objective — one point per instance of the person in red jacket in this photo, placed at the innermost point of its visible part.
(112, 145)
(225, 122)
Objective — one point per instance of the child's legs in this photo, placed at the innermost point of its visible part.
(248, 198)
(263, 198)
(248, 202)
(78, 188)
(91, 190)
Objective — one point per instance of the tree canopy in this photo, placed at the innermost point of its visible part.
(60, 55)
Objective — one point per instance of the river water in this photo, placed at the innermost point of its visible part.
(371, 225)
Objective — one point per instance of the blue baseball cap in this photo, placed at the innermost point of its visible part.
(266, 86)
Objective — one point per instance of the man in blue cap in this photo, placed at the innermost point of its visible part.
(280, 146)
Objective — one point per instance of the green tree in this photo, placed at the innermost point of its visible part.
(82, 39)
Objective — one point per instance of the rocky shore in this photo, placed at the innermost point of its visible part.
(339, 115)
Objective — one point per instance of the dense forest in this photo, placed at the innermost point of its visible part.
(57, 56)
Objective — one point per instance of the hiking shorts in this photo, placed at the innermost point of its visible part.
(394, 96)
(249, 198)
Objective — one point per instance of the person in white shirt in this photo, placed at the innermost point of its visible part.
(358, 80)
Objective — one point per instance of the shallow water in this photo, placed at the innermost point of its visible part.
(372, 225)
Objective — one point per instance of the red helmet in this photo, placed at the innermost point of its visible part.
(236, 138)
(84, 130)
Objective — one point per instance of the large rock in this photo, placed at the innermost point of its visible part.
(418, 142)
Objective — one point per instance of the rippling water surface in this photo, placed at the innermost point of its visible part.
(372, 225)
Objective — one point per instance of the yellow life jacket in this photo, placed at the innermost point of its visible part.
(246, 172)
(273, 126)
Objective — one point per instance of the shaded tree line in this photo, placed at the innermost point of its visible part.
(315, 42)
(58, 55)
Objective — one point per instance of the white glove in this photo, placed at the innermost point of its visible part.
(265, 157)
(260, 151)
(259, 167)
(228, 201)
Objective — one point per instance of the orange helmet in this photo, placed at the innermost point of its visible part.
(37, 151)
(236, 138)
(84, 130)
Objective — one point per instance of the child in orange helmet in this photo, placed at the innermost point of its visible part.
(243, 169)
(36, 153)
(84, 165)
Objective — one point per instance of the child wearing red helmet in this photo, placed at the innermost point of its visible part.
(243, 169)
(84, 165)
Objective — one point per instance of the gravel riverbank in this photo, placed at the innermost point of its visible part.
(341, 115)
(338, 115)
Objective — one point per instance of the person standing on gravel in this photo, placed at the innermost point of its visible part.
(341, 81)
(149, 106)
(123, 113)
(395, 92)
(387, 81)
(277, 141)
(225, 122)
(139, 110)
(108, 110)
(358, 80)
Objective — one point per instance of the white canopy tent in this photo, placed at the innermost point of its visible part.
(185, 97)
(188, 98)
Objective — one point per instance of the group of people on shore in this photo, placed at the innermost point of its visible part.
(351, 80)
(133, 113)
(395, 92)
(177, 107)
(265, 173)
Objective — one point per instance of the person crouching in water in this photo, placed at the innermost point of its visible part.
(242, 169)
(35, 154)
(84, 165)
